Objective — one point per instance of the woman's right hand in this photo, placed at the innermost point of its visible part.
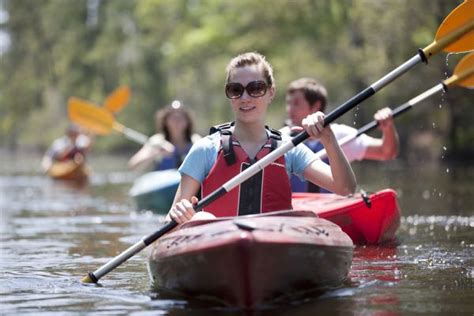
(183, 211)
(314, 126)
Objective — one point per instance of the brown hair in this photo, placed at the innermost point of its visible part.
(249, 59)
(312, 89)
(163, 114)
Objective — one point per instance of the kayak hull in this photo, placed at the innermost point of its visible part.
(370, 219)
(68, 170)
(250, 261)
(155, 190)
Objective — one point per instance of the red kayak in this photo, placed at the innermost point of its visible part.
(252, 260)
(371, 219)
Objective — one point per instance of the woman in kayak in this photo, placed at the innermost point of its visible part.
(170, 145)
(219, 157)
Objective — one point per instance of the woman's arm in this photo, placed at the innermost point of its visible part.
(156, 148)
(182, 207)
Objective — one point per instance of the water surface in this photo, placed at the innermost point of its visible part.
(52, 233)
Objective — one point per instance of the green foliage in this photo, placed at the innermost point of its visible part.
(178, 49)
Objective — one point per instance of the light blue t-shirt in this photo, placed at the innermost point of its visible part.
(203, 155)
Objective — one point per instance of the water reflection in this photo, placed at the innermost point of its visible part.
(52, 233)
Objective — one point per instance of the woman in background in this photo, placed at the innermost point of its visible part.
(174, 139)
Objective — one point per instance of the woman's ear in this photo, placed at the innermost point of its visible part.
(271, 92)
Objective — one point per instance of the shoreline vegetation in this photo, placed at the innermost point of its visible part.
(173, 50)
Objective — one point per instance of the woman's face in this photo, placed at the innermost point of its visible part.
(176, 123)
(248, 109)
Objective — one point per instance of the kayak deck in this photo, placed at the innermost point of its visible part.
(372, 219)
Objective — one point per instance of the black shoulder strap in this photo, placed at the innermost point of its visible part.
(221, 127)
(226, 141)
(275, 137)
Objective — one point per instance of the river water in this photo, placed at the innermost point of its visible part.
(52, 233)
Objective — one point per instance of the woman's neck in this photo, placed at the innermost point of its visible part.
(250, 132)
(178, 140)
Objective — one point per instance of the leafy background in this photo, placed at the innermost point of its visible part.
(178, 49)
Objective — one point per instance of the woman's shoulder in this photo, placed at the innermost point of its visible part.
(208, 142)
(195, 138)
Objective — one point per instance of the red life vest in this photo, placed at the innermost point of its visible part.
(268, 190)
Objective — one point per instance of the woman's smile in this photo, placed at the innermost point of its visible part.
(247, 108)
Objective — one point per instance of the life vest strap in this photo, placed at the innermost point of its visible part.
(227, 143)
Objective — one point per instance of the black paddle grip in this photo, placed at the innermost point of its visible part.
(349, 104)
(163, 230)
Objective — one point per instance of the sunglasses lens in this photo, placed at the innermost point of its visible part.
(256, 88)
(234, 90)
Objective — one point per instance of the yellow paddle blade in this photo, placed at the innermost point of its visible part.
(89, 116)
(117, 99)
(462, 15)
(463, 73)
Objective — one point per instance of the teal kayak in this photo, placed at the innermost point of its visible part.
(155, 190)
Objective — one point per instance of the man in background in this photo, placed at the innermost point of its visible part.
(305, 96)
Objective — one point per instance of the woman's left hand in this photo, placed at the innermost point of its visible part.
(183, 211)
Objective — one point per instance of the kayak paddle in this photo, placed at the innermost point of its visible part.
(116, 101)
(99, 120)
(463, 76)
(459, 22)
(452, 26)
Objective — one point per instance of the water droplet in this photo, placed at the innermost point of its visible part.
(97, 220)
(426, 194)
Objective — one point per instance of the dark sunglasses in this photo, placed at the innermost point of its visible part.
(255, 89)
